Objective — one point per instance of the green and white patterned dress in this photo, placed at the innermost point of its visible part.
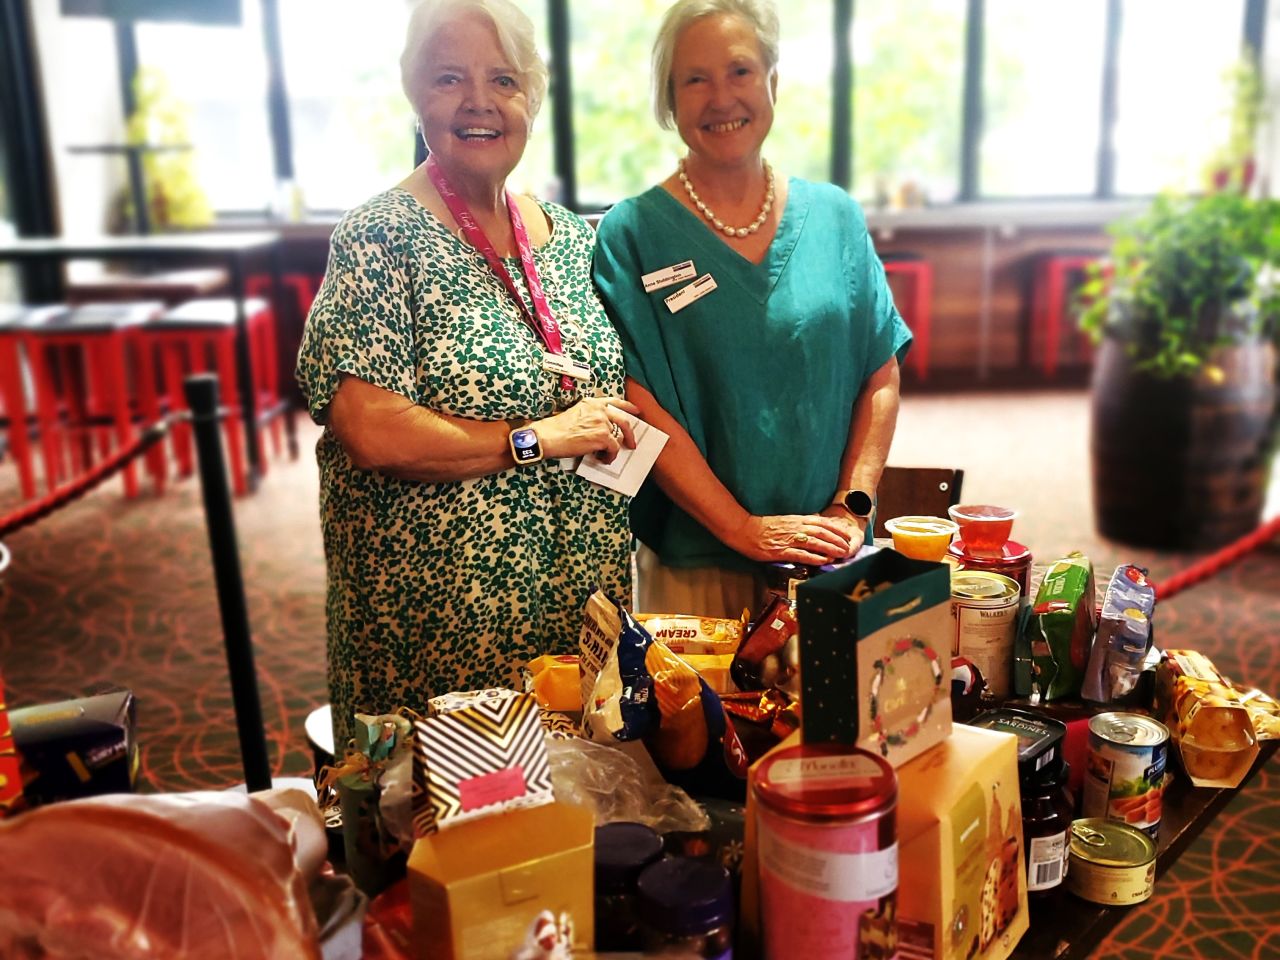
(435, 587)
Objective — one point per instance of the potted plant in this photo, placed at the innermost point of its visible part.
(1184, 391)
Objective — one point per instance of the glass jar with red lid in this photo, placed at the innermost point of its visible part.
(827, 850)
(1012, 560)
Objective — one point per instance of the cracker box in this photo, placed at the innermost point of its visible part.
(875, 655)
(476, 888)
(962, 886)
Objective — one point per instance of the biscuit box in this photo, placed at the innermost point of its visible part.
(77, 748)
(962, 887)
(475, 888)
(875, 655)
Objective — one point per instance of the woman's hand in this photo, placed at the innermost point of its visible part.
(811, 539)
(855, 527)
(592, 425)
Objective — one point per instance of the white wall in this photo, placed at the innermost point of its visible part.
(1269, 135)
(82, 102)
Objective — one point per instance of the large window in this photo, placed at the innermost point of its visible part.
(1173, 98)
(908, 76)
(1032, 73)
(219, 74)
(1042, 91)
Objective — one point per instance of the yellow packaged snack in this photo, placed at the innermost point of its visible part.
(680, 740)
(557, 683)
(1206, 718)
(705, 636)
(713, 668)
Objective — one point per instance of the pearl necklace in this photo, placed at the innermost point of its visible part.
(727, 230)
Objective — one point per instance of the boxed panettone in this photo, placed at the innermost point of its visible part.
(962, 887)
(476, 888)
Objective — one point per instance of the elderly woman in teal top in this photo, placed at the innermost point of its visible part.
(456, 351)
(777, 378)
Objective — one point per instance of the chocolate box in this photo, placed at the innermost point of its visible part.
(77, 748)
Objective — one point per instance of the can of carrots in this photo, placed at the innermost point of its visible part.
(1124, 773)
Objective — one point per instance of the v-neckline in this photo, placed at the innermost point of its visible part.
(758, 279)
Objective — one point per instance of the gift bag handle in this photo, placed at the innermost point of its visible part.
(905, 608)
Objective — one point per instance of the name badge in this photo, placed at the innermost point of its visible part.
(667, 276)
(565, 366)
(693, 292)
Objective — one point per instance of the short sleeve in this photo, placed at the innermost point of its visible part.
(889, 334)
(361, 323)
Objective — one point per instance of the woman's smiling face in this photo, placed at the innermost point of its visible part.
(723, 93)
(475, 111)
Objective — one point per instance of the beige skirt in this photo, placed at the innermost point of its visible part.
(699, 591)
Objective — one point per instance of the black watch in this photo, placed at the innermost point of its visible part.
(857, 502)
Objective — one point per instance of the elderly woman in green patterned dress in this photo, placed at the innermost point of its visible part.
(458, 359)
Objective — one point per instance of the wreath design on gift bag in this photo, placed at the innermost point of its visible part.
(883, 667)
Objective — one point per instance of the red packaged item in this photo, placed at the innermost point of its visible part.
(770, 654)
(10, 769)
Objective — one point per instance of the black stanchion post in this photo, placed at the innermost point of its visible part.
(202, 398)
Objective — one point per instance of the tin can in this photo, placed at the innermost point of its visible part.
(1124, 772)
(1013, 561)
(781, 580)
(828, 852)
(1111, 863)
(984, 613)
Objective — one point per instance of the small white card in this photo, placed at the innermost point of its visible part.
(693, 292)
(667, 276)
(630, 467)
(565, 366)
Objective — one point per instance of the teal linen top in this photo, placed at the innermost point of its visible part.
(764, 371)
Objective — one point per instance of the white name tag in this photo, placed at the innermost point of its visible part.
(687, 295)
(565, 366)
(676, 273)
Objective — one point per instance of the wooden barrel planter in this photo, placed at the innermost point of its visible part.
(1181, 464)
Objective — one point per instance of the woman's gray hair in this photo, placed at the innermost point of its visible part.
(515, 38)
(759, 14)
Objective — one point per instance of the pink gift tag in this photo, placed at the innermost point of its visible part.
(491, 788)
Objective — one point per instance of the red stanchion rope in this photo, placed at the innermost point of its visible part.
(29, 513)
(1216, 562)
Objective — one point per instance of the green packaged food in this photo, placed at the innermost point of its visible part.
(1057, 632)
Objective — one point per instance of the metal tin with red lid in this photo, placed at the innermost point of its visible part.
(827, 849)
(1012, 561)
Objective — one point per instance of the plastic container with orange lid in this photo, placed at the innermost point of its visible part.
(921, 538)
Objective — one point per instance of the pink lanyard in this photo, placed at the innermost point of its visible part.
(543, 324)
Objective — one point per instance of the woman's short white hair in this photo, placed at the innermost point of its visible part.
(759, 14)
(515, 38)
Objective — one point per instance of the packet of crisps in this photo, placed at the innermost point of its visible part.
(1207, 720)
(1052, 648)
(641, 690)
(705, 636)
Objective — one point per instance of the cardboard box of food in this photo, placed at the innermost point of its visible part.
(875, 655)
(77, 748)
(962, 884)
(476, 888)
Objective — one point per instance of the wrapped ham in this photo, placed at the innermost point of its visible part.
(195, 875)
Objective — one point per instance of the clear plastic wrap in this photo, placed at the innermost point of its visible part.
(195, 875)
(621, 783)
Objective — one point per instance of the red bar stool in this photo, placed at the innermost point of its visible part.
(303, 286)
(1056, 276)
(919, 273)
(80, 361)
(14, 393)
(185, 337)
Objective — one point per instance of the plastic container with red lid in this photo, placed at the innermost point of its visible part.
(827, 849)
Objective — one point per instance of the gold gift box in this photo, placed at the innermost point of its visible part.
(475, 888)
(962, 880)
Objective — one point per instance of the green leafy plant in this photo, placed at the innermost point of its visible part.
(174, 195)
(1186, 276)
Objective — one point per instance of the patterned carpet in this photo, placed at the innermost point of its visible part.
(108, 591)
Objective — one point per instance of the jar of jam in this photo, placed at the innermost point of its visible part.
(781, 580)
(686, 909)
(1047, 812)
(622, 851)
